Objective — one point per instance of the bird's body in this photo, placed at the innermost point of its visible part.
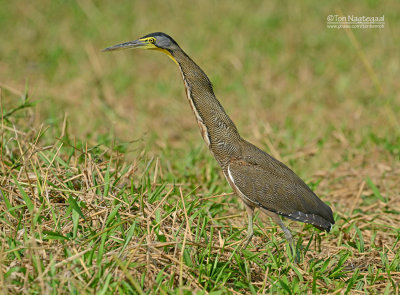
(258, 179)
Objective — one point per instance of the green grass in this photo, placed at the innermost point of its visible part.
(106, 186)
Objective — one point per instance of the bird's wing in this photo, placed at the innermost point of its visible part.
(279, 190)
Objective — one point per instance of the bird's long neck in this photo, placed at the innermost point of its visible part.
(217, 129)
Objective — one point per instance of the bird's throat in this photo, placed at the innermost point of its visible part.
(167, 53)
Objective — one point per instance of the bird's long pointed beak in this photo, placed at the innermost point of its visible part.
(144, 43)
(131, 44)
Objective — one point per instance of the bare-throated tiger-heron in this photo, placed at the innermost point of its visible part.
(257, 178)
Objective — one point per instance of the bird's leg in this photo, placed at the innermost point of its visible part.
(286, 231)
(288, 235)
(250, 232)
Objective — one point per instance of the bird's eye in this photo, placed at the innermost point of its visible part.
(152, 40)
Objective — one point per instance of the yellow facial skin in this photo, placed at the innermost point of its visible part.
(148, 43)
(143, 43)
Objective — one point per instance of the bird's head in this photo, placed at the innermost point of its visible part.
(156, 41)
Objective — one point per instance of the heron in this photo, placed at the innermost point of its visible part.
(261, 181)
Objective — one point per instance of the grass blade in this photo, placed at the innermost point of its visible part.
(24, 195)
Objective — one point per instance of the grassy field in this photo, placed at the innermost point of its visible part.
(106, 186)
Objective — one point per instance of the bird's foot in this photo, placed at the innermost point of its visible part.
(294, 256)
(245, 242)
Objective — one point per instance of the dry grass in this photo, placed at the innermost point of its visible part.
(78, 219)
